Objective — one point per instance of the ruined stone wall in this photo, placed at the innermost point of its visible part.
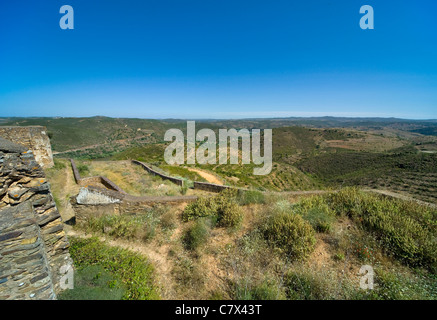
(211, 187)
(97, 180)
(34, 138)
(177, 181)
(123, 204)
(33, 246)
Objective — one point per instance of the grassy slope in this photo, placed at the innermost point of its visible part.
(359, 229)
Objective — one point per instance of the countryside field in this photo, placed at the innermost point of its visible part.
(271, 239)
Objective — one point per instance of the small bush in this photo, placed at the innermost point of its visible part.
(223, 208)
(316, 212)
(305, 286)
(319, 220)
(197, 234)
(229, 214)
(83, 169)
(290, 233)
(202, 207)
(168, 220)
(406, 229)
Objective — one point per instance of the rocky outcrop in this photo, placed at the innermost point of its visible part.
(33, 246)
(34, 138)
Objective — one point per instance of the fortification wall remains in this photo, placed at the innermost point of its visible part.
(211, 187)
(34, 252)
(126, 204)
(34, 138)
(177, 181)
(99, 180)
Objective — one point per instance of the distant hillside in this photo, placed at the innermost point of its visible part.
(73, 133)
(308, 153)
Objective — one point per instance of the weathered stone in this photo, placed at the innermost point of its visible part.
(16, 192)
(39, 277)
(10, 235)
(54, 229)
(32, 183)
(33, 245)
(45, 218)
(30, 240)
(10, 147)
(29, 258)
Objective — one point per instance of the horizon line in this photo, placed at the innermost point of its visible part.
(226, 119)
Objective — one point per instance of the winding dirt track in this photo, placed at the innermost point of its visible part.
(207, 176)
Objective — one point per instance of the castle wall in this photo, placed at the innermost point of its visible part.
(177, 181)
(32, 238)
(34, 138)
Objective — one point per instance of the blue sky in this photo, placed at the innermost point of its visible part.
(218, 59)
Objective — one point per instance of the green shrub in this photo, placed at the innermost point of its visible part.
(202, 207)
(222, 208)
(410, 241)
(406, 229)
(290, 233)
(316, 211)
(197, 235)
(229, 214)
(83, 169)
(319, 220)
(306, 286)
(133, 270)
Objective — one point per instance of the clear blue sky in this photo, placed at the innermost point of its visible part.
(218, 59)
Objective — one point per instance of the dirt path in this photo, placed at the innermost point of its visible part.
(207, 176)
(401, 196)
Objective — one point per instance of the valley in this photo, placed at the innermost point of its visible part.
(344, 190)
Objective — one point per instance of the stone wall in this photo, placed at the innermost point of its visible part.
(34, 138)
(97, 180)
(211, 187)
(123, 204)
(33, 245)
(177, 181)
